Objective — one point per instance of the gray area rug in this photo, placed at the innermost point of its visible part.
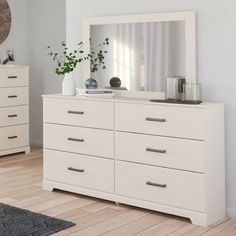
(18, 222)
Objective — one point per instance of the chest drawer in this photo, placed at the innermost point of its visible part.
(79, 140)
(160, 120)
(14, 137)
(14, 96)
(83, 171)
(14, 115)
(160, 151)
(14, 77)
(160, 185)
(79, 113)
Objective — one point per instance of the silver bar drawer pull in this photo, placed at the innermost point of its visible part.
(155, 150)
(12, 116)
(12, 96)
(76, 140)
(76, 170)
(12, 137)
(12, 77)
(155, 119)
(156, 185)
(76, 112)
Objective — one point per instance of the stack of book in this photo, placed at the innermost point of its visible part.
(94, 92)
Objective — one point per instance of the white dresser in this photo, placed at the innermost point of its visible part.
(168, 158)
(14, 109)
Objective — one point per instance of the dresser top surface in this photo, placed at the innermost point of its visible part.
(131, 100)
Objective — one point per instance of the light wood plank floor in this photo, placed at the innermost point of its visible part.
(21, 181)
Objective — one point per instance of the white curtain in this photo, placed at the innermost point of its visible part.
(156, 44)
(146, 53)
(127, 55)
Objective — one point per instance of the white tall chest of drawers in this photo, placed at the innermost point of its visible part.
(14, 109)
(163, 157)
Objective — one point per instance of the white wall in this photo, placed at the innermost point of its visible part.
(35, 25)
(216, 54)
(18, 37)
(47, 27)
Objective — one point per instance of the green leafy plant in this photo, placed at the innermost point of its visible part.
(68, 60)
(97, 56)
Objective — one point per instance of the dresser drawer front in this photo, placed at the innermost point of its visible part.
(79, 113)
(79, 140)
(160, 120)
(14, 115)
(14, 77)
(160, 185)
(14, 96)
(83, 171)
(160, 151)
(14, 137)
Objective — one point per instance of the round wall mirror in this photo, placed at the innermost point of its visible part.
(5, 20)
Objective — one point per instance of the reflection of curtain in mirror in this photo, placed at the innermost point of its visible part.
(127, 55)
(156, 41)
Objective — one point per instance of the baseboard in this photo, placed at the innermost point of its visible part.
(231, 212)
(36, 143)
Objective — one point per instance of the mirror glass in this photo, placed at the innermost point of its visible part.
(141, 55)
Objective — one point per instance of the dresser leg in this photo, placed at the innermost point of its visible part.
(199, 220)
(47, 187)
(27, 150)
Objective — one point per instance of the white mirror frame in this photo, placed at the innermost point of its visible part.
(188, 17)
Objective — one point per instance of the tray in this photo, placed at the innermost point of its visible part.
(176, 101)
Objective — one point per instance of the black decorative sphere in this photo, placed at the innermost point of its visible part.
(91, 83)
(115, 82)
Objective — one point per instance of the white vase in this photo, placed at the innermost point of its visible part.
(68, 85)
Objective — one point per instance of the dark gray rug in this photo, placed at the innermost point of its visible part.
(18, 222)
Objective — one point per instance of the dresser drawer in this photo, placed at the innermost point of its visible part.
(14, 137)
(78, 170)
(170, 121)
(79, 113)
(79, 140)
(14, 96)
(14, 115)
(160, 185)
(160, 151)
(14, 77)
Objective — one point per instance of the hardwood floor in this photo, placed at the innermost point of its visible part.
(21, 181)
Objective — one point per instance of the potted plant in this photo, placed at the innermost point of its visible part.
(66, 62)
(97, 60)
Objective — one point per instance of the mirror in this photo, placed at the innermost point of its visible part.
(143, 50)
(141, 55)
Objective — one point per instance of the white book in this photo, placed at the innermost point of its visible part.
(94, 91)
(96, 95)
